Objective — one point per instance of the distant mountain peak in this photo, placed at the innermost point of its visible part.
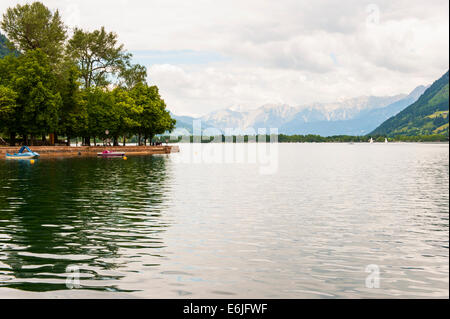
(237, 108)
(429, 114)
(418, 91)
(354, 116)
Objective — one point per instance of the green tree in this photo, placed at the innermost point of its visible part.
(33, 26)
(97, 104)
(154, 119)
(9, 123)
(7, 111)
(132, 75)
(50, 86)
(73, 117)
(98, 55)
(125, 114)
(30, 76)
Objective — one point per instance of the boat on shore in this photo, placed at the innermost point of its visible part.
(111, 154)
(24, 153)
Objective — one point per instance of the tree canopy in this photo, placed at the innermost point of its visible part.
(83, 86)
(98, 55)
(37, 100)
(34, 26)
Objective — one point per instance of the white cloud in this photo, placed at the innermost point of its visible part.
(287, 51)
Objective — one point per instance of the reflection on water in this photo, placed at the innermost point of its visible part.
(158, 227)
(102, 215)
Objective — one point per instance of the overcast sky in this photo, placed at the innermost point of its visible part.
(211, 54)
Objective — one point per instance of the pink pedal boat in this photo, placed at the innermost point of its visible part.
(111, 154)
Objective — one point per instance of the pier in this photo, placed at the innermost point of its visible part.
(60, 151)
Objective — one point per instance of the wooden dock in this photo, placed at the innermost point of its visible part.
(60, 151)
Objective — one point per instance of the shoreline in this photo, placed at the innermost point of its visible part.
(73, 151)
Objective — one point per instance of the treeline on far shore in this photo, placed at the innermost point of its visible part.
(281, 138)
(310, 138)
(358, 139)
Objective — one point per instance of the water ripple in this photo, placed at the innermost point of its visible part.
(154, 227)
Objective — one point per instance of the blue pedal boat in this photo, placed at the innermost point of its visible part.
(24, 153)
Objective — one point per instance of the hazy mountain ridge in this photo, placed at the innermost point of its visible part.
(428, 115)
(356, 120)
(3, 48)
(356, 116)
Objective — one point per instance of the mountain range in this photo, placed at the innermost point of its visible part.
(423, 111)
(427, 116)
(356, 116)
(3, 49)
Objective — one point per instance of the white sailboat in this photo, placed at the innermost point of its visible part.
(371, 140)
(385, 140)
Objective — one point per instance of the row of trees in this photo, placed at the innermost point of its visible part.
(82, 86)
(359, 139)
(281, 138)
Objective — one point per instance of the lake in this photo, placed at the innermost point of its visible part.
(326, 221)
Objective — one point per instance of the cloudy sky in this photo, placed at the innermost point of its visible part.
(212, 54)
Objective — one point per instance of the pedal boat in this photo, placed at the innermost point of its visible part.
(111, 154)
(24, 153)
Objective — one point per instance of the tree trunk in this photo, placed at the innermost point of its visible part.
(68, 140)
(116, 141)
(87, 141)
(12, 139)
(124, 140)
(52, 138)
(139, 139)
(150, 138)
(95, 141)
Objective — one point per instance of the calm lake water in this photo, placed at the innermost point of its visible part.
(164, 227)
